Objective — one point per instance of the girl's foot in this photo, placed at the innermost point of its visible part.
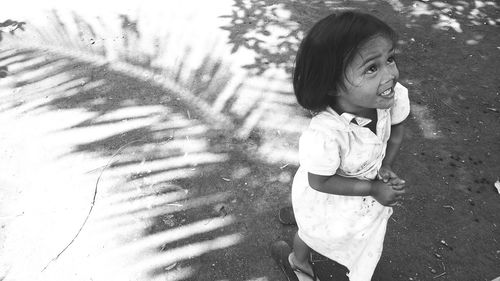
(302, 267)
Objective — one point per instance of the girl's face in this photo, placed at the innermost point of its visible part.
(371, 77)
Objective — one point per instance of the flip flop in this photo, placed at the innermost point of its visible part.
(300, 271)
(280, 251)
(286, 216)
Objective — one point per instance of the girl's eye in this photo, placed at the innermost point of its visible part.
(391, 59)
(371, 69)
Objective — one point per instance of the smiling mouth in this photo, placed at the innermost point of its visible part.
(387, 93)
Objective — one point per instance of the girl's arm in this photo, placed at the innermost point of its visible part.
(381, 191)
(393, 144)
(385, 173)
(340, 185)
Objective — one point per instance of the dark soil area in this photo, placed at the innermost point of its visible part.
(448, 226)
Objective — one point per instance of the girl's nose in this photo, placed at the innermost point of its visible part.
(390, 73)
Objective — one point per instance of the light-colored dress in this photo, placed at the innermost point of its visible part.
(347, 229)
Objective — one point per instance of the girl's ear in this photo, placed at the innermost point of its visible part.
(335, 93)
(338, 92)
(332, 93)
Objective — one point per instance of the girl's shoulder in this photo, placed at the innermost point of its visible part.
(401, 108)
(330, 121)
(401, 92)
(327, 126)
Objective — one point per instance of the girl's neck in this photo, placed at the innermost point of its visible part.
(369, 113)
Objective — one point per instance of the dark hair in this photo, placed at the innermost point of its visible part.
(327, 50)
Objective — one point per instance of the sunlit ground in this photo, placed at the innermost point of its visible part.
(52, 181)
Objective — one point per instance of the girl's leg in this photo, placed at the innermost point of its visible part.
(301, 254)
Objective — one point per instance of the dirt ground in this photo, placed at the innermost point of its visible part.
(447, 227)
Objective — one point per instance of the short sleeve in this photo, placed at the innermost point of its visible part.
(318, 154)
(401, 108)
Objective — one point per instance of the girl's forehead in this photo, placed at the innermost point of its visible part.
(374, 48)
(375, 45)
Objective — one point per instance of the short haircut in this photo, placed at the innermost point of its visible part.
(327, 50)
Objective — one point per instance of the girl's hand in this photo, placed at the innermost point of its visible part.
(385, 193)
(387, 175)
(397, 183)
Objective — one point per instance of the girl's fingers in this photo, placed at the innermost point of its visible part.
(384, 177)
(399, 191)
(397, 181)
(386, 174)
(396, 203)
(398, 187)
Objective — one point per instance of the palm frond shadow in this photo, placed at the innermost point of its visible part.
(166, 145)
(248, 105)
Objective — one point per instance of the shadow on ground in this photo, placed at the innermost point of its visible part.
(210, 203)
(273, 29)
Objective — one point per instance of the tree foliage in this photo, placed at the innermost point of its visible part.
(9, 26)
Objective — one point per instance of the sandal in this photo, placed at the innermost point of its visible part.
(286, 216)
(298, 271)
(280, 251)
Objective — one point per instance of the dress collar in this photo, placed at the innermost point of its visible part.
(349, 117)
(341, 122)
(361, 121)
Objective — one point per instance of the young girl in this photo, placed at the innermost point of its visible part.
(343, 191)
